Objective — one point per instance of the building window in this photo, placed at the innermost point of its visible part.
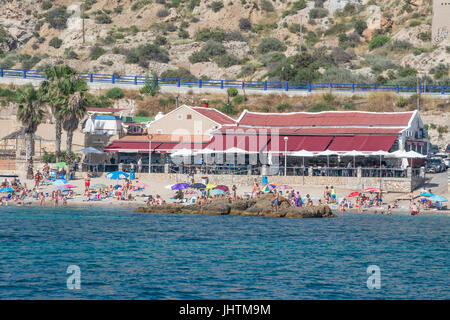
(189, 116)
(159, 131)
(180, 117)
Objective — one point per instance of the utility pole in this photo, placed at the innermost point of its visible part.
(82, 20)
(301, 34)
(418, 95)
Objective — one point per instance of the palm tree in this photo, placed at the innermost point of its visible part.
(74, 110)
(30, 113)
(54, 92)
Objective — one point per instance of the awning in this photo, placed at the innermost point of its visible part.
(362, 143)
(170, 147)
(297, 143)
(131, 147)
(250, 143)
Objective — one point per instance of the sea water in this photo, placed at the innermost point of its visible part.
(126, 255)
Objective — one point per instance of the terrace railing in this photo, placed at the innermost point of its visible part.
(238, 84)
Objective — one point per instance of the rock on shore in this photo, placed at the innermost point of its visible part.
(261, 206)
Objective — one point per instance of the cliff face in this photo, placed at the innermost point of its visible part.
(251, 39)
(261, 206)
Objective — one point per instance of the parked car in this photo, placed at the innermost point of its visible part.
(435, 165)
(447, 149)
(447, 162)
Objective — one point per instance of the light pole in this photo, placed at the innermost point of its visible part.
(285, 153)
(150, 153)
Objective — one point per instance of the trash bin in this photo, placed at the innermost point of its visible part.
(205, 180)
(264, 180)
(132, 175)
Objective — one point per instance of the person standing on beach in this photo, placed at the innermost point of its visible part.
(333, 195)
(276, 201)
(139, 165)
(87, 183)
(234, 189)
(37, 179)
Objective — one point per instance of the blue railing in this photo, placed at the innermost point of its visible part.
(238, 84)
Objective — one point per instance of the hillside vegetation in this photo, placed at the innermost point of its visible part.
(367, 41)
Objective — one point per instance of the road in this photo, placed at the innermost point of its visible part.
(438, 182)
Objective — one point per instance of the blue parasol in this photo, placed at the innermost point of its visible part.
(116, 175)
(180, 186)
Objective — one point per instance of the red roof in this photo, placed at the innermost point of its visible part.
(328, 118)
(311, 131)
(362, 143)
(215, 115)
(297, 143)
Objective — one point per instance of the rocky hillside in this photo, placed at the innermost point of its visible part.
(383, 41)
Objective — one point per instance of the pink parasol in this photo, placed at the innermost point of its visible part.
(222, 187)
(353, 194)
(69, 186)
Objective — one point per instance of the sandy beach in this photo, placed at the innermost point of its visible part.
(160, 187)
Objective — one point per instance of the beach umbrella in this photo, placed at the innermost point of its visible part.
(438, 198)
(353, 154)
(210, 186)
(218, 192)
(182, 153)
(353, 194)
(221, 187)
(69, 186)
(180, 186)
(197, 186)
(426, 194)
(303, 154)
(284, 187)
(116, 175)
(90, 150)
(269, 187)
(237, 150)
(6, 189)
(372, 190)
(327, 153)
(60, 164)
(205, 151)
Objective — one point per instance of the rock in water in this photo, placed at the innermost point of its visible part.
(260, 206)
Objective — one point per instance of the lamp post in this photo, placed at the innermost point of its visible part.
(150, 153)
(285, 153)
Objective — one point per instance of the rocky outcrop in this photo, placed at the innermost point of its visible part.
(261, 206)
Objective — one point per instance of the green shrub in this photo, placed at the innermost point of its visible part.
(46, 5)
(414, 23)
(425, 36)
(102, 18)
(401, 102)
(400, 45)
(115, 93)
(57, 17)
(97, 101)
(245, 24)
(239, 99)
(270, 44)
(228, 108)
(319, 107)
(418, 51)
(96, 52)
(247, 70)
(142, 113)
(160, 40)
(267, 6)
(378, 41)
(318, 13)
(283, 107)
(349, 107)
(140, 4)
(360, 26)
(183, 34)
(55, 42)
(151, 85)
(192, 4)
(206, 34)
(227, 60)
(145, 52)
(216, 6)
(198, 56)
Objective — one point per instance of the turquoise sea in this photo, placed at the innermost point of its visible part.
(126, 255)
